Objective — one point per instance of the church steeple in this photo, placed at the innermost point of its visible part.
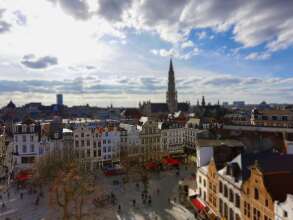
(171, 93)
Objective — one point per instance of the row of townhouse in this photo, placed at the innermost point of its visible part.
(159, 139)
(251, 186)
(97, 143)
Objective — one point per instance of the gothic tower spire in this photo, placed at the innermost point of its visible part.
(171, 93)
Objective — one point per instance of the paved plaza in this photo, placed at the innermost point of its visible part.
(163, 193)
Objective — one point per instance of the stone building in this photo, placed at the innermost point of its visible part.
(172, 138)
(270, 180)
(97, 146)
(272, 118)
(150, 136)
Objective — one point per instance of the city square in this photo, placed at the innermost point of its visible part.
(162, 189)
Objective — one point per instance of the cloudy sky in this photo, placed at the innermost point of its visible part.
(117, 51)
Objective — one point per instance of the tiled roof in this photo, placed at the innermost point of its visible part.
(279, 185)
(268, 162)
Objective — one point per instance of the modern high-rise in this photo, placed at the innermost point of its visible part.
(171, 94)
(59, 99)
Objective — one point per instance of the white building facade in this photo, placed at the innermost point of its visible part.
(96, 146)
(27, 146)
(172, 138)
(284, 210)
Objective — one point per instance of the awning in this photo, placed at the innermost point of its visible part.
(151, 165)
(171, 161)
(23, 176)
(198, 204)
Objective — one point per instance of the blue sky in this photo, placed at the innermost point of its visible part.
(110, 51)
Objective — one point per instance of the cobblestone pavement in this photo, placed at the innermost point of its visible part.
(160, 208)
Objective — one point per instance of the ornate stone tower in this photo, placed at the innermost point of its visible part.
(171, 93)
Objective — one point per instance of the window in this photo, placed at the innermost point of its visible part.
(16, 149)
(231, 196)
(225, 191)
(95, 144)
(104, 149)
(88, 153)
(76, 144)
(82, 143)
(284, 118)
(88, 143)
(237, 200)
(221, 206)
(41, 150)
(215, 189)
(199, 179)
(221, 187)
(264, 117)
(274, 118)
(231, 214)
(32, 138)
(225, 210)
(23, 138)
(204, 183)
(24, 148)
(247, 209)
(32, 148)
(285, 214)
(256, 214)
(256, 194)
(27, 159)
(82, 135)
(95, 153)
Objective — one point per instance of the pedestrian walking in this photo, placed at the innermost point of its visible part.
(119, 208)
(21, 195)
(150, 201)
(8, 195)
(37, 200)
(133, 202)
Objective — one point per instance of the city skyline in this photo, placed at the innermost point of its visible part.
(103, 52)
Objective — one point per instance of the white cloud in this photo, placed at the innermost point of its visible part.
(177, 53)
(258, 56)
(187, 44)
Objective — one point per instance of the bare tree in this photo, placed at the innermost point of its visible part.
(71, 187)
